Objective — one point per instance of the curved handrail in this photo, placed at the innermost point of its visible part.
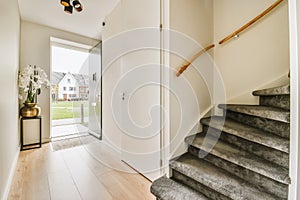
(251, 22)
(184, 67)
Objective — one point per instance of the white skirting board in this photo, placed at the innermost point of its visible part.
(11, 176)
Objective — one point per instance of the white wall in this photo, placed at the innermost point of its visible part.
(9, 65)
(259, 56)
(193, 19)
(36, 50)
(110, 75)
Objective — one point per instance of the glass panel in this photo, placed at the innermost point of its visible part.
(95, 91)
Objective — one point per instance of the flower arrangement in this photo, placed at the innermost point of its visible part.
(31, 79)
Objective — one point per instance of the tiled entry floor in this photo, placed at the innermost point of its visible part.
(67, 130)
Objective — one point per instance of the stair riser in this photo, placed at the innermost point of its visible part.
(275, 156)
(197, 186)
(279, 128)
(260, 182)
(280, 101)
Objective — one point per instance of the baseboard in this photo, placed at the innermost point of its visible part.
(11, 175)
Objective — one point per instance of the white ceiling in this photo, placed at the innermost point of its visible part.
(51, 13)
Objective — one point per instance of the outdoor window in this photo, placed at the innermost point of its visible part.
(69, 80)
(65, 88)
(72, 88)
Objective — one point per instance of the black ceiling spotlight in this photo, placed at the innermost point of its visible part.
(77, 5)
(69, 6)
(69, 9)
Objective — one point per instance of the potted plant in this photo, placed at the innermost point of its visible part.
(31, 79)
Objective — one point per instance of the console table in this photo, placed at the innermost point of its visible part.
(31, 132)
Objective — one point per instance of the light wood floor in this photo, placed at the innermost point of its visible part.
(87, 172)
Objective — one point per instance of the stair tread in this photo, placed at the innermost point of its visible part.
(167, 189)
(281, 90)
(259, 111)
(217, 178)
(247, 132)
(239, 157)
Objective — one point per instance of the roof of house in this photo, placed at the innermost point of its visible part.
(82, 80)
(56, 77)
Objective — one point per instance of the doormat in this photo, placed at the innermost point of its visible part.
(72, 142)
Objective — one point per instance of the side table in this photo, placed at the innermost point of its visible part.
(31, 132)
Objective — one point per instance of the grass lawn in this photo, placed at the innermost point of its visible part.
(68, 109)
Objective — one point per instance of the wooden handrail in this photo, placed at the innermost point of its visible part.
(251, 22)
(184, 67)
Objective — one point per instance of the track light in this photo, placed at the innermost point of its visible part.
(69, 6)
(77, 5)
(65, 2)
(69, 9)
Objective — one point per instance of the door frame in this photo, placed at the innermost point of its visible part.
(294, 19)
(101, 98)
(165, 84)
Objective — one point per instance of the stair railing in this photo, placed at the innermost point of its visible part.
(258, 17)
(184, 67)
(234, 34)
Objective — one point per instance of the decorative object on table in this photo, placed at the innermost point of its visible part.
(70, 4)
(31, 79)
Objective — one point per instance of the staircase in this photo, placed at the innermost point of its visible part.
(249, 161)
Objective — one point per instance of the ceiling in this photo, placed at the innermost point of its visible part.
(51, 13)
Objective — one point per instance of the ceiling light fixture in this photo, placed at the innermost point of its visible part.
(69, 5)
(65, 2)
(69, 9)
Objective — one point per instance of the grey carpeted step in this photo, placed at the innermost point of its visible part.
(280, 101)
(167, 189)
(281, 129)
(270, 154)
(247, 132)
(209, 192)
(259, 181)
(218, 179)
(259, 111)
(281, 90)
(239, 157)
(278, 97)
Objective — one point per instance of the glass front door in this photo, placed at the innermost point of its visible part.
(95, 92)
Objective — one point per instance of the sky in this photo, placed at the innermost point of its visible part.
(68, 60)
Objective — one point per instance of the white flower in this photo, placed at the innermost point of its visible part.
(31, 78)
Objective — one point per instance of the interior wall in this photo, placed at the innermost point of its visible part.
(191, 25)
(126, 16)
(259, 56)
(36, 50)
(110, 75)
(9, 115)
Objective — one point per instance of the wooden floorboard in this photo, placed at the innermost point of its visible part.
(86, 172)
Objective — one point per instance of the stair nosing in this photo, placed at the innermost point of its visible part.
(275, 91)
(176, 185)
(245, 159)
(257, 110)
(255, 135)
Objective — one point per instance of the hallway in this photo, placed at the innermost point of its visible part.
(89, 171)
